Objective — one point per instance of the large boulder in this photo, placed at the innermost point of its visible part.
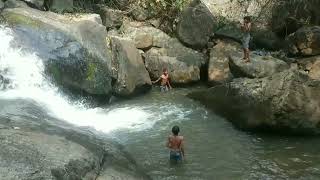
(14, 4)
(162, 51)
(45, 148)
(111, 18)
(196, 25)
(61, 5)
(218, 68)
(202, 19)
(259, 66)
(132, 76)
(289, 16)
(74, 47)
(287, 102)
(39, 4)
(181, 72)
(306, 41)
(311, 66)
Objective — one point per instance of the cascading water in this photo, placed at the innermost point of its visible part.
(22, 76)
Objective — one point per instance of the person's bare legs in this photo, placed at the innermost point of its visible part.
(247, 55)
(244, 54)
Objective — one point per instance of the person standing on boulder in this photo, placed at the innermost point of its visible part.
(246, 28)
(165, 81)
(175, 144)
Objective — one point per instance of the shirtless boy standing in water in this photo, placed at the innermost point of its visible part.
(175, 144)
(165, 82)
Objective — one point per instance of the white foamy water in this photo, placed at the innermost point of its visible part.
(27, 80)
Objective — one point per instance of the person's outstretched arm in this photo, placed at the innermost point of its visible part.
(156, 80)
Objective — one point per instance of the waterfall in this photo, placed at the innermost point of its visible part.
(22, 77)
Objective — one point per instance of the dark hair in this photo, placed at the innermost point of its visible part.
(175, 130)
(248, 18)
(164, 69)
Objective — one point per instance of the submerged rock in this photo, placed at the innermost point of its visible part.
(287, 102)
(75, 47)
(132, 76)
(259, 66)
(306, 41)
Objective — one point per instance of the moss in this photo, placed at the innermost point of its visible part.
(91, 71)
(18, 19)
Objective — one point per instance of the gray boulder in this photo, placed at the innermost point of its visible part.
(260, 66)
(287, 102)
(132, 76)
(183, 63)
(311, 66)
(111, 18)
(74, 46)
(61, 5)
(306, 41)
(218, 68)
(196, 25)
(181, 72)
(39, 4)
(14, 4)
(1, 5)
(289, 16)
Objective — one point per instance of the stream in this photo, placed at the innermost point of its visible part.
(214, 148)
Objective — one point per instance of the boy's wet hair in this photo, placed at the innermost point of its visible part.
(164, 69)
(248, 18)
(175, 130)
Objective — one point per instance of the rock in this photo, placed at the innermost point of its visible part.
(311, 66)
(306, 41)
(287, 102)
(196, 25)
(39, 4)
(61, 5)
(132, 74)
(111, 18)
(202, 19)
(139, 13)
(14, 4)
(1, 5)
(181, 72)
(218, 69)
(165, 52)
(289, 16)
(260, 66)
(45, 148)
(75, 47)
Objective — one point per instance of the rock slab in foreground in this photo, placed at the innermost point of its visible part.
(287, 102)
(259, 67)
(33, 147)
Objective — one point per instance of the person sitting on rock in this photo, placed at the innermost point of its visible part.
(175, 144)
(165, 81)
(246, 28)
